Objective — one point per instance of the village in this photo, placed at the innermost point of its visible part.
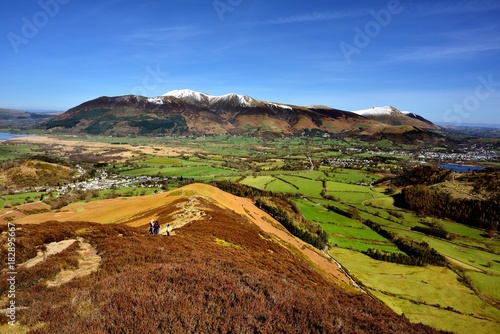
(105, 181)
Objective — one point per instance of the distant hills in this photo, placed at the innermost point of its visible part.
(187, 112)
(13, 117)
(475, 130)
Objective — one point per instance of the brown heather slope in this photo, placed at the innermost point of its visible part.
(218, 274)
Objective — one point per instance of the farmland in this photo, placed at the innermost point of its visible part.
(336, 184)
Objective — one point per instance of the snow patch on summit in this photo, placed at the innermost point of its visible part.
(387, 110)
(156, 100)
(409, 113)
(282, 106)
(195, 97)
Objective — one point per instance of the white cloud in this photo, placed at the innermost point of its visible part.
(442, 52)
(311, 17)
(173, 33)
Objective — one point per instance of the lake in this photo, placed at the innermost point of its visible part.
(461, 168)
(8, 135)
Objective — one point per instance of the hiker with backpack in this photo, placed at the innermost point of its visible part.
(156, 227)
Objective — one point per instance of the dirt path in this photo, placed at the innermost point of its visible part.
(51, 249)
(187, 213)
(88, 263)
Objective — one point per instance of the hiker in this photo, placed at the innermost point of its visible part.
(151, 226)
(156, 227)
(168, 229)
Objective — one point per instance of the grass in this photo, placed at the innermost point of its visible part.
(259, 182)
(8, 152)
(479, 259)
(194, 172)
(382, 202)
(225, 243)
(487, 284)
(439, 318)
(351, 175)
(282, 187)
(306, 187)
(18, 199)
(417, 292)
(343, 231)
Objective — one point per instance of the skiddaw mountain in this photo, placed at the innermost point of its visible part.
(187, 112)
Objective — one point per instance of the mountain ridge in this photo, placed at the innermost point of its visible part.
(188, 112)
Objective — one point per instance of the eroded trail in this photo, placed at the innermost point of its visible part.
(51, 249)
(88, 262)
(187, 212)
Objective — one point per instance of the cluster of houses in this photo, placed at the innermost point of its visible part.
(459, 157)
(106, 181)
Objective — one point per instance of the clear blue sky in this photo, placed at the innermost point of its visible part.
(440, 59)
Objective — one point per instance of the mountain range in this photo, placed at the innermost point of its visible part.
(187, 112)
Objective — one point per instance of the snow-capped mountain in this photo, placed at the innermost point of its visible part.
(393, 116)
(188, 112)
(221, 102)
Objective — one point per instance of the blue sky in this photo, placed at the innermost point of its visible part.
(440, 59)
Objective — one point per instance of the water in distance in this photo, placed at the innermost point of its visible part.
(461, 168)
(8, 135)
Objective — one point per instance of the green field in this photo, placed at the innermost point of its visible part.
(18, 199)
(424, 294)
(486, 283)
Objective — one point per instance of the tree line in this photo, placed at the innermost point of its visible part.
(432, 230)
(416, 253)
(426, 201)
(318, 239)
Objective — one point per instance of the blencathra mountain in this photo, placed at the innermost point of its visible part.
(187, 112)
(392, 116)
